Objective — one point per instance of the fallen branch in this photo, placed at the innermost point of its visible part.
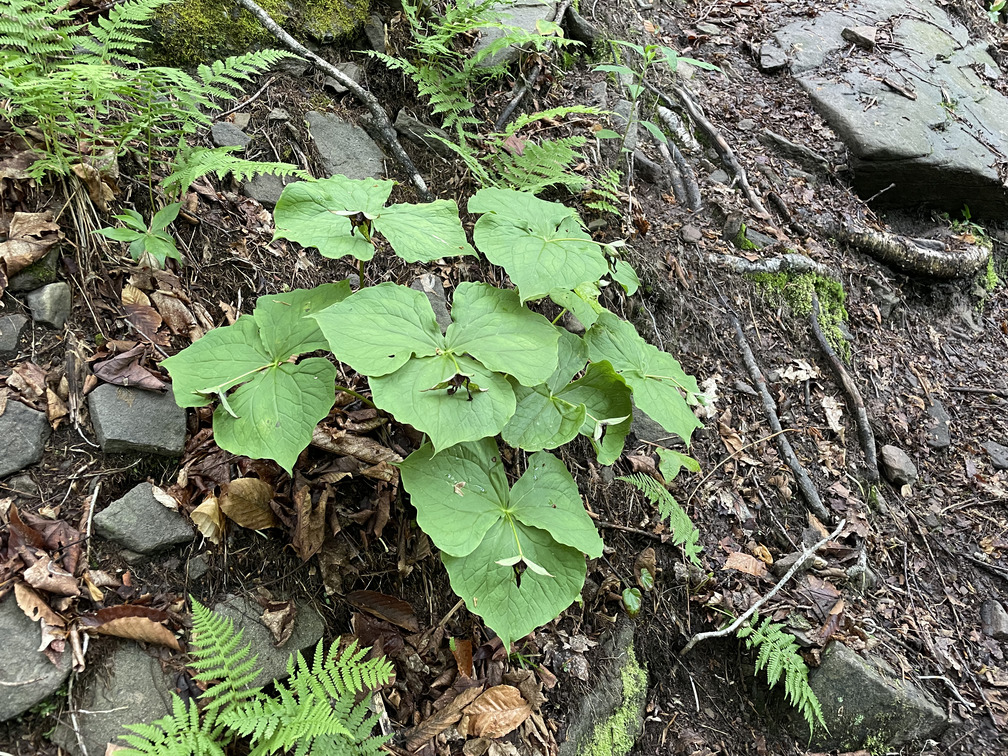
(805, 484)
(787, 263)
(802, 561)
(386, 132)
(854, 400)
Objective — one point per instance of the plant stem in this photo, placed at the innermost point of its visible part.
(564, 310)
(360, 397)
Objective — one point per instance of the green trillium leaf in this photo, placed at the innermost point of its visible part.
(492, 325)
(519, 561)
(277, 403)
(540, 244)
(447, 417)
(318, 214)
(608, 409)
(632, 601)
(378, 329)
(623, 273)
(656, 378)
(670, 462)
(582, 302)
(424, 233)
(277, 411)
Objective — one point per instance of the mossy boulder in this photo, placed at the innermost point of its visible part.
(189, 32)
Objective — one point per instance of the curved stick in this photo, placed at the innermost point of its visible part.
(386, 132)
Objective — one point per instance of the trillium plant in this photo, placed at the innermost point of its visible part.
(499, 373)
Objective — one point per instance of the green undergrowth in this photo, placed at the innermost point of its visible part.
(617, 735)
(795, 291)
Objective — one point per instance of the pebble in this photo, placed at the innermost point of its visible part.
(11, 328)
(50, 305)
(994, 620)
(897, 465)
(998, 454)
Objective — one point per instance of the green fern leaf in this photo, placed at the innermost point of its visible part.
(684, 533)
(220, 161)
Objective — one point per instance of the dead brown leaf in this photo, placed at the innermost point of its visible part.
(209, 519)
(388, 608)
(34, 607)
(746, 563)
(99, 191)
(246, 501)
(309, 529)
(179, 318)
(125, 370)
(438, 723)
(139, 623)
(497, 711)
(646, 561)
(29, 380)
(30, 237)
(46, 576)
(278, 616)
(462, 651)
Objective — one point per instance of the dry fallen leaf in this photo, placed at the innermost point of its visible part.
(34, 607)
(309, 528)
(209, 520)
(278, 617)
(834, 413)
(29, 238)
(388, 608)
(46, 576)
(498, 711)
(745, 563)
(246, 501)
(139, 623)
(442, 720)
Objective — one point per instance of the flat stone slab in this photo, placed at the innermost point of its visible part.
(23, 435)
(923, 117)
(524, 14)
(345, 148)
(867, 703)
(127, 688)
(26, 674)
(133, 420)
(308, 630)
(141, 523)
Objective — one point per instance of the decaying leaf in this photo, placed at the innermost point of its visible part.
(125, 370)
(139, 623)
(496, 712)
(209, 519)
(246, 501)
(177, 315)
(278, 616)
(29, 380)
(388, 608)
(310, 526)
(30, 237)
(165, 498)
(46, 576)
(834, 413)
(462, 651)
(746, 563)
(438, 723)
(34, 607)
(646, 568)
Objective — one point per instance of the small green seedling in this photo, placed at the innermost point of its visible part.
(153, 239)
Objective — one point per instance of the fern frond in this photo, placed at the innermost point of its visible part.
(120, 35)
(225, 79)
(220, 659)
(221, 161)
(778, 655)
(540, 166)
(684, 533)
(179, 734)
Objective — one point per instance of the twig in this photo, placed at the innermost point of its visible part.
(380, 118)
(625, 529)
(783, 445)
(979, 390)
(73, 715)
(90, 517)
(854, 400)
(802, 560)
(249, 101)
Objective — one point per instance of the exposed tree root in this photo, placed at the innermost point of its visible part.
(854, 400)
(791, 262)
(805, 484)
(928, 257)
(382, 124)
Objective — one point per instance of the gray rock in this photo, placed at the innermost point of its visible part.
(431, 285)
(141, 523)
(579, 29)
(344, 148)
(11, 328)
(241, 120)
(128, 687)
(23, 485)
(772, 58)
(375, 32)
(41, 272)
(133, 420)
(862, 36)
(308, 629)
(598, 94)
(939, 434)
(278, 114)
(720, 176)
(50, 305)
(224, 134)
(899, 469)
(23, 435)
(199, 565)
(27, 674)
(867, 703)
(939, 145)
(998, 454)
(994, 620)
(418, 131)
(611, 713)
(352, 71)
(523, 14)
(646, 429)
(265, 188)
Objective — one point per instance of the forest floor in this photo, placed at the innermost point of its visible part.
(933, 547)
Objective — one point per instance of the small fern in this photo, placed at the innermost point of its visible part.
(684, 533)
(602, 195)
(220, 161)
(777, 654)
(314, 712)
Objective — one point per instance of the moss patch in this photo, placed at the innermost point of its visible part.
(796, 292)
(617, 735)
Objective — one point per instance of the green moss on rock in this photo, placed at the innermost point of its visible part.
(796, 292)
(190, 32)
(616, 735)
